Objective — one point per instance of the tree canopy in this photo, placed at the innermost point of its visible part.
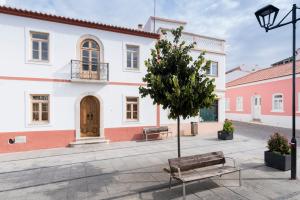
(175, 80)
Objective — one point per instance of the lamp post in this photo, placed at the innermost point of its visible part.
(266, 17)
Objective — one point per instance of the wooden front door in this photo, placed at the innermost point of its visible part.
(89, 117)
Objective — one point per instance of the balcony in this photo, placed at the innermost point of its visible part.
(89, 71)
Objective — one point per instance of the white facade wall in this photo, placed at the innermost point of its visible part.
(15, 62)
(161, 23)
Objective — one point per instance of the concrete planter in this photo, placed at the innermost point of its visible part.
(278, 161)
(223, 135)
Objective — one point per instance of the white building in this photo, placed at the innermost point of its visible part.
(238, 72)
(63, 80)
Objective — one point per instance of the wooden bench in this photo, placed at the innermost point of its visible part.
(198, 167)
(156, 130)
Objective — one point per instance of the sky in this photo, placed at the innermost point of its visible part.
(233, 20)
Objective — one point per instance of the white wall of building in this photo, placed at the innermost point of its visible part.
(15, 62)
(15, 48)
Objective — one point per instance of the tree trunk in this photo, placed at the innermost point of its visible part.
(178, 135)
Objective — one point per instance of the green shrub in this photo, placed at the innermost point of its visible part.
(279, 144)
(228, 126)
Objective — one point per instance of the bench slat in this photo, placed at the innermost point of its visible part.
(155, 129)
(206, 174)
(197, 161)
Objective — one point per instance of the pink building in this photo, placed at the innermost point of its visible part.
(264, 96)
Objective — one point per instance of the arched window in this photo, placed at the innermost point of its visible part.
(90, 55)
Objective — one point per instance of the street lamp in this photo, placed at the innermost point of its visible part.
(266, 17)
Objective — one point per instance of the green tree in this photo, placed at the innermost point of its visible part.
(176, 81)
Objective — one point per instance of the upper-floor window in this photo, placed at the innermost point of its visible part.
(40, 108)
(39, 46)
(132, 57)
(239, 104)
(299, 102)
(277, 105)
(227, 104)
(90, 55)
(132, 108)
(213, 70)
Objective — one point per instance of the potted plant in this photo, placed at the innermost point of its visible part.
(278, 156)
(227, 132)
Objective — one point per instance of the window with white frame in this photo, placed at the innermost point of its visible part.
(299, 102)
(39, 46)
(213, 70)
(132, 57)
(132, 108)
(227, 104)
(39, 108)
(277, 105)
(239, 104)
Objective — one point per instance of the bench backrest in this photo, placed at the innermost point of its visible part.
(155, 129)
(196, 161)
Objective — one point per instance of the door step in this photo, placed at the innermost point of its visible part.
(256, 120)
(88, 141)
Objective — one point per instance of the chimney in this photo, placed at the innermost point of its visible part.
(140, 26)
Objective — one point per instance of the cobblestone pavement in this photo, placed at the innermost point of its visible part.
(133, 170)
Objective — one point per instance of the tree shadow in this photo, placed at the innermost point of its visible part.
(78, 181)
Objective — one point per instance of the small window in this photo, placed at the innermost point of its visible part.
(213, 70)
(277, 105)
(40, 108)
(299, 102)
(39, 46)
(132, 108)
(227, 104)
(239, 104)
(132, 61)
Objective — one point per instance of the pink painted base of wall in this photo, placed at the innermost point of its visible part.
(62, 138)
(36, 140)
(126, 134)
(206, 128)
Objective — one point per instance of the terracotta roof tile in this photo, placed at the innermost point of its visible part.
(265, 74)
(75, 22)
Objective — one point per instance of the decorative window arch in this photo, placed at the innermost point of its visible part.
(89, 55)
(88, 37)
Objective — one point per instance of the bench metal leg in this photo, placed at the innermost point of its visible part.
(183, 190)
(146, 137)
(240, 178)
(170, 182)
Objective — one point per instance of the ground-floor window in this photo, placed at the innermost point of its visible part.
(277, 104)
(227, 104)
(210, 114)
(132, 104)
(299, 102)
(40, 108)
(239, 104)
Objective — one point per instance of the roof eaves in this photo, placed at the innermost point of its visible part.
(76, 22)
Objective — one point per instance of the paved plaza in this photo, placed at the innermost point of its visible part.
(134, 170)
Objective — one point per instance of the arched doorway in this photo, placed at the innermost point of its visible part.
(89, 117)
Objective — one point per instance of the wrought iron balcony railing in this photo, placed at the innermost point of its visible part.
(81, 70)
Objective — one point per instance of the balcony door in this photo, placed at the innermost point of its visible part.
(89, 117)
(90, 59)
